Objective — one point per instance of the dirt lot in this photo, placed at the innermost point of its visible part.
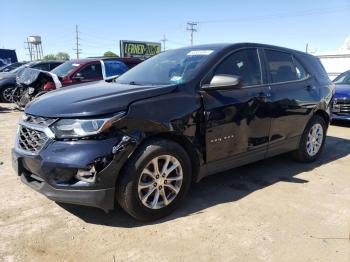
(273, 210)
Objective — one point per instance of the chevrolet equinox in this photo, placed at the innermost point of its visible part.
(177, 117)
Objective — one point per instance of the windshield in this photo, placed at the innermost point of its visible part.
(65, 69)
(343, 79)
(171, 67)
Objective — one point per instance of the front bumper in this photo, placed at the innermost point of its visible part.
(52, 171)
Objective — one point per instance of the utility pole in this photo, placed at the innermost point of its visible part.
(191, 26)
(164, 39)
(307, 48)
(77, 38)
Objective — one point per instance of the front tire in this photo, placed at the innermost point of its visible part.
(155, 180)
(6, 94)
(312, 140)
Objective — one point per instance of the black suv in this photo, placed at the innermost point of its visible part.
(173, 119)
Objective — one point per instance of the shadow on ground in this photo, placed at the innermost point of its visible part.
(225, 187)
(8, 108)
(341, 123)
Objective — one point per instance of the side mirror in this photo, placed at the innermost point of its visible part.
(78, 77)
(223, 82)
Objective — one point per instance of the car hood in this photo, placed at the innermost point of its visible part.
(6, 75)
(92, 99)
(342, 91)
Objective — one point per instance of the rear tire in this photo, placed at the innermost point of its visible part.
(148, 194)
(312, 140)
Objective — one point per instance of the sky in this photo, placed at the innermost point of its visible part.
(323, 24)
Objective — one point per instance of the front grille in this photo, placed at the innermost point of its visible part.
(342, 105)
(39, 120)
(31, 140)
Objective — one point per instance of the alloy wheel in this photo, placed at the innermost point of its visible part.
(160, 181)
(314, 139)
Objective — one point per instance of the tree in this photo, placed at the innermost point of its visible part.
(49, 57)
(62, 56)
(110, 54)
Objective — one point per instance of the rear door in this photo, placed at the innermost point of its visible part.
(293, 97)
(235, 119)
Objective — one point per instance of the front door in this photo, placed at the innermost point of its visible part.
(235, 120)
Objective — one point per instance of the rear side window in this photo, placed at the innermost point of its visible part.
(43, 66)
(245, 64)
(283, 68)
(91, 71)
(114, 68)
(54, 65)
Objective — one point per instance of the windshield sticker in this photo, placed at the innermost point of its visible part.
(200, 52)
(75, 64)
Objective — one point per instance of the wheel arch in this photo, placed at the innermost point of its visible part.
(324, 115)
(185, 144)
(190, 149)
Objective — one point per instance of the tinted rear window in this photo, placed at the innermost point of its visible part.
(315, 67)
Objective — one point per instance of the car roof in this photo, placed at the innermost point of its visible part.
(221, 46)
(45, 61)
(95, 59)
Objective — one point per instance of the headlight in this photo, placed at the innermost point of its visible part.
(75, 128)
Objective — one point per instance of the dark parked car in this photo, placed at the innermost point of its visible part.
(8, 79)
(175, 118)
(10, 67)
(341, 106)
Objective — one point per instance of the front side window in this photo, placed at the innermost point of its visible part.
(283, 68)
(91, 71)
(245, 64)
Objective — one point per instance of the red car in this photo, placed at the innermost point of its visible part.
(91, 69)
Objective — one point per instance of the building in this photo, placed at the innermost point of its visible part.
(338, 61)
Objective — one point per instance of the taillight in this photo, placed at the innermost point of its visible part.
(49, 86)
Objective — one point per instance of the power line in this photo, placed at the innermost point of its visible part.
(77, 44)
(191, 27)
(175, 42)
(164, 39)
(284, 15)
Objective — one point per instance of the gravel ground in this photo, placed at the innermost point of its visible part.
(273, 210)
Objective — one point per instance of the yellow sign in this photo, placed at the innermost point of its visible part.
(137, 49)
